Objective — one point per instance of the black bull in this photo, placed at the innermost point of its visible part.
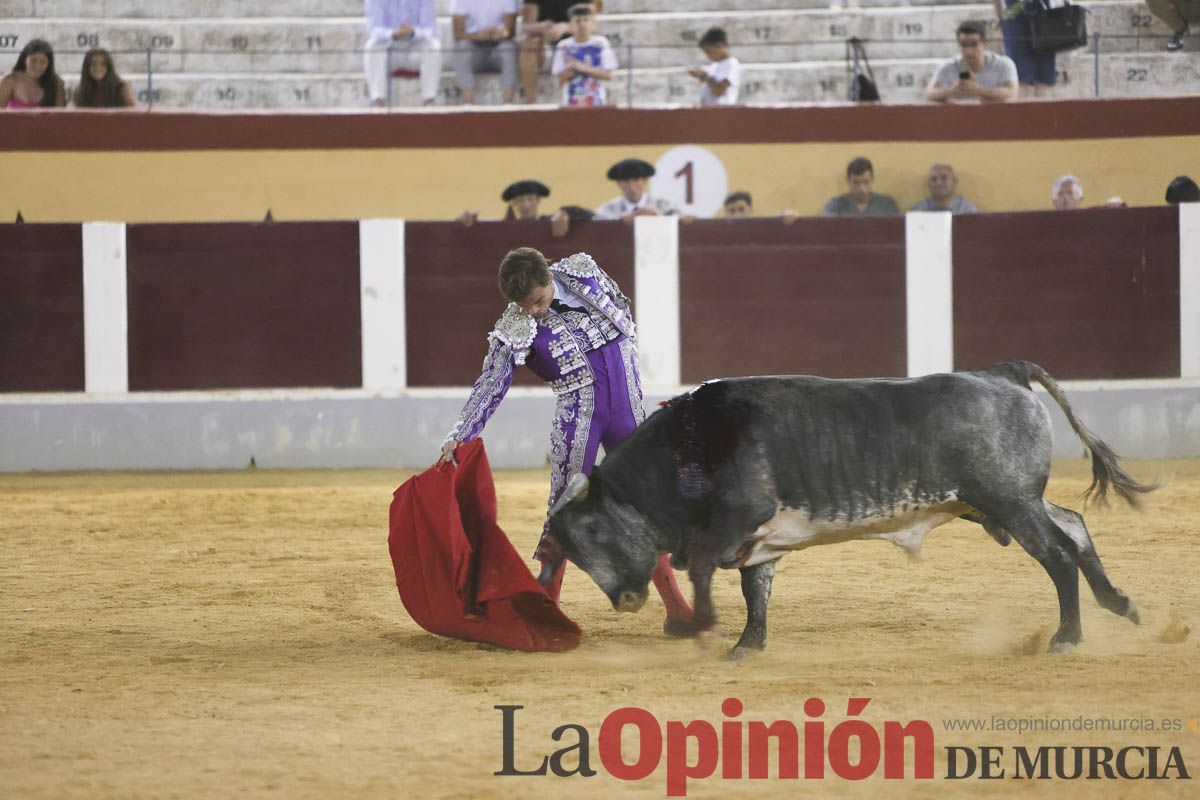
(738, 472)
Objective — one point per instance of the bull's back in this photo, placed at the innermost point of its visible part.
(856, 449)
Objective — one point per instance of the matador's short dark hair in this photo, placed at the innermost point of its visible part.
(520, 271)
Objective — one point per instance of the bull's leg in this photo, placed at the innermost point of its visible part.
(679, 613)
(1032, 527)
(700, 571)
(756, 588)
(1079, 543)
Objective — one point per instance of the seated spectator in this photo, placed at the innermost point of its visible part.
(33, 82)
(721, 78)
(860, 201)
(1177, 14)
(1067, 193)
(1183, 190)
(100, 86)
(583, 62)
(977, 74)
(943, 188)
(633, 178)
(739, 204)
(483, 42)
(543, 22)
(408, 29)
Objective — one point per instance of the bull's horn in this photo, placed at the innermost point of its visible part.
(577, 487)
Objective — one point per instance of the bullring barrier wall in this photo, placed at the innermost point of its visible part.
(84, 165)
(352, 344)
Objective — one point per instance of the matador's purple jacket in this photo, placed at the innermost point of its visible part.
(588, 357)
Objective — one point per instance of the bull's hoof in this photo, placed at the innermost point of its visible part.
(1061, 647)
(740, 653)
(680, 628)
(1132, 614)
(710, 641)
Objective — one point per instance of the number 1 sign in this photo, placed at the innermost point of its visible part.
(693, 178)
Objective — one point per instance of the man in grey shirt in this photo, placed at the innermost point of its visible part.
(943, 185)
(860, 201)
(977, 74)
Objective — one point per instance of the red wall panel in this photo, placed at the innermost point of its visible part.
(819, 296)
(41, 308)
(1086, 294)
(239, 306)
(453, 300)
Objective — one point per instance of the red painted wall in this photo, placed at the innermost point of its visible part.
(41, 308)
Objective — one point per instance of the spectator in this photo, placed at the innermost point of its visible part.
(483, 42)
(943, 185)
(33, 81)
(633, 178)
(860, 201)
(543, 22)
(977, 74)
(523, 199)
(1034, 69)
(720, 79)
(583, 62)
(1177, 14)
(100, 86)
(739, 204)
(1067, 193)
(1183, 190)
(408, 28)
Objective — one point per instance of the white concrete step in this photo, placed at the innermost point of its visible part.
(900, 80)
(215, 9)
(295, 44)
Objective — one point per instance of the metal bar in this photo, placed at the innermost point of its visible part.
(1096, 62)
(629, 74)
(149, 79)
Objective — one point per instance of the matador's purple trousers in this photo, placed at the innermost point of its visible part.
(603, 413)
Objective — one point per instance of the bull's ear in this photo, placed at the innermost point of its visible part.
(577, 488)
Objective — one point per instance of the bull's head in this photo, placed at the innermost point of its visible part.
(605, 537)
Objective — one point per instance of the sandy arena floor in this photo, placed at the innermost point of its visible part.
(240, 635)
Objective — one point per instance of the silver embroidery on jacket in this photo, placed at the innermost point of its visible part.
(633, 381)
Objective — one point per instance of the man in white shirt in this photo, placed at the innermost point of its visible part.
(978, 74)
(720, 79)
(408, 28)
(483, 42)
(633, 178)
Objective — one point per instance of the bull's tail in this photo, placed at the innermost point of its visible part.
(1105, 469)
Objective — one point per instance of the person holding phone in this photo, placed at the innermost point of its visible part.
(977, 74)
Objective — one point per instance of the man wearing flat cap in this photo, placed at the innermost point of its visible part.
(633, 177)
(523, 199)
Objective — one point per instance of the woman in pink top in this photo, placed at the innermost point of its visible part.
(33, 81)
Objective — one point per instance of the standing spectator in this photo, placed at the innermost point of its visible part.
(1183, 190)
(100, 86)
(33, 81)
(483, 42)
(633, 179)
(721, 79)
(543, 22)
(1177, 14)
(739, 204)
(1035, 70)
(977, 74)
(408, 28)
(1067, 193)
(583, 62)
(943, 188)
(860, 201)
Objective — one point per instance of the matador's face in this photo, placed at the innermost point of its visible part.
(537, 302)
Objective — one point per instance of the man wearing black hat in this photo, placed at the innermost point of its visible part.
(523, 199)
(633, 177)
